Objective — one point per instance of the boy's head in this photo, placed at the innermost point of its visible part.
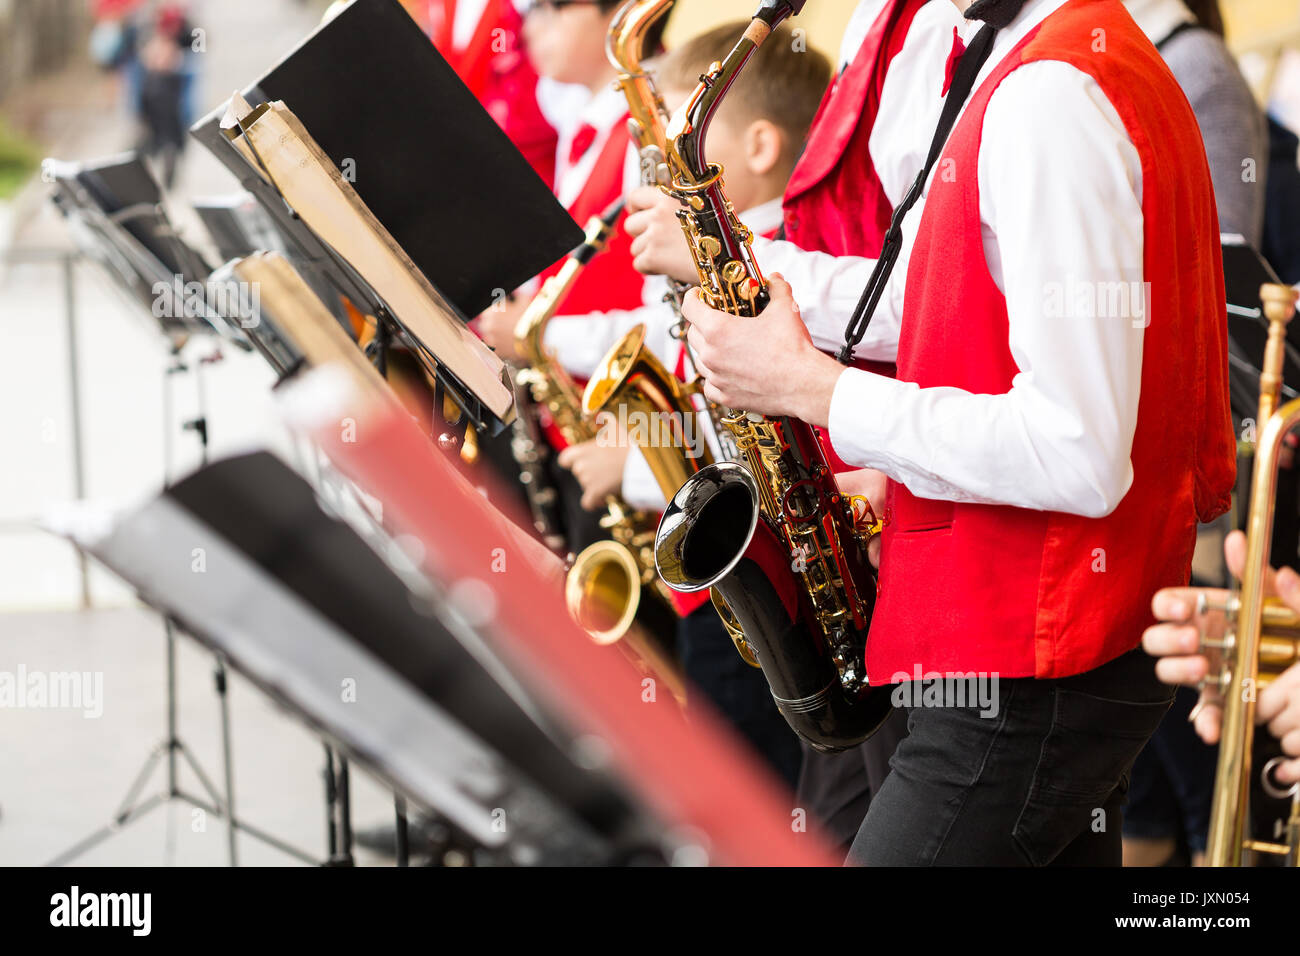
(760, 130)
(566, 39)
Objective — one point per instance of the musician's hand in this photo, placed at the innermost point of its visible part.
(496, 326)
(1279, 707)
(658, 244)
(870, 484)
(768, 364)
(1177, 640)
(599, 469)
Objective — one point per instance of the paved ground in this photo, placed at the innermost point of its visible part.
(62, 774)
(65, 773)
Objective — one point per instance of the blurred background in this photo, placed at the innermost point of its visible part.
(85, 79)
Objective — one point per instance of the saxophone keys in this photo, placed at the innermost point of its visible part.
(733, 271)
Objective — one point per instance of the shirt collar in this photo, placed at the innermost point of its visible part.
(1034, 13)
(1159, 18)
(605, 109)
(764, 218)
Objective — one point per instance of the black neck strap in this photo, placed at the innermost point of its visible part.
(963, 82)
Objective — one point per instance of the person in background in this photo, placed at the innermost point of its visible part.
(1168, 814)
(482, 41)
(162, 97)
(596, 163)
(1189, 36)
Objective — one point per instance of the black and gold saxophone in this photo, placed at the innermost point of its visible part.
(630, 377)
(783, 550)
(604, 585)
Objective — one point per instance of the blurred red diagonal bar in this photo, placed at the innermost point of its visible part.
(695, 773)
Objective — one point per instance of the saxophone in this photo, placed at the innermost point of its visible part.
(604, 585)
(784, 551)
(630, 376)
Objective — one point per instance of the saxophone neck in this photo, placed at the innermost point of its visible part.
(532, 324)
(690, 125)
(625, 44)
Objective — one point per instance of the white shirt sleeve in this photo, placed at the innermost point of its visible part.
(580, 342)
(828, 288)
(640, 490)
(1061, 207)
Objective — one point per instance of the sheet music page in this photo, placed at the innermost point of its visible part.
(283, 148)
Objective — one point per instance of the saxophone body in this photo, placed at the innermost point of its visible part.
(604, 585)
(531, 453)
(783, 550)
(647, 113)
(630, 377)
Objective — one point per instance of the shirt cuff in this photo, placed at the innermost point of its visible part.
(857, 426)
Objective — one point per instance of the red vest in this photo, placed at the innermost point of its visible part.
(609, 282)
(835, 202)
(978, 588)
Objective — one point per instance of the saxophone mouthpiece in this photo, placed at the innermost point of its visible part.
(773, 12)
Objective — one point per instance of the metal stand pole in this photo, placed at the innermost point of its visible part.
(172, 746)
(74, 396)
(402, 832)
(338, 809)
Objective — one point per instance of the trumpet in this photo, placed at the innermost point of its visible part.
(1262, 638)
(783, 550)
(604, 585)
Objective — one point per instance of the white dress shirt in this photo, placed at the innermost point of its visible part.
(826, 287)
(1061, 207)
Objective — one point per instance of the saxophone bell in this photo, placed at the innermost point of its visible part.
(714, 535)
(603, 591)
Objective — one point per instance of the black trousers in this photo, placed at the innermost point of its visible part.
(739, 692)
(836, 789)
(1038, 779)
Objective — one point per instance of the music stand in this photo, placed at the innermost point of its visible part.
(304, 607)
(115, 211)
(1245, 271)
(406, 142)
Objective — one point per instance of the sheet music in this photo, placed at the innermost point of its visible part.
(282, 148)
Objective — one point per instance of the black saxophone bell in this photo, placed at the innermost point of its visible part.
(714, 535)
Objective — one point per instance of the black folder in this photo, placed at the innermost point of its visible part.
(419, 149)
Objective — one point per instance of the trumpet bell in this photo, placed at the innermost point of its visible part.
(707, 527)
(603, 591)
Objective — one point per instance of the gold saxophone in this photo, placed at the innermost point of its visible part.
(1263, 635)
(630, 377)
(603, 588)
(783, 550)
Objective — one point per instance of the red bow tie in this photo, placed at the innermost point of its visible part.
(950, 70)
(583, 140)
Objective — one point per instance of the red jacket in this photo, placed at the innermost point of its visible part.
(979, 588)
